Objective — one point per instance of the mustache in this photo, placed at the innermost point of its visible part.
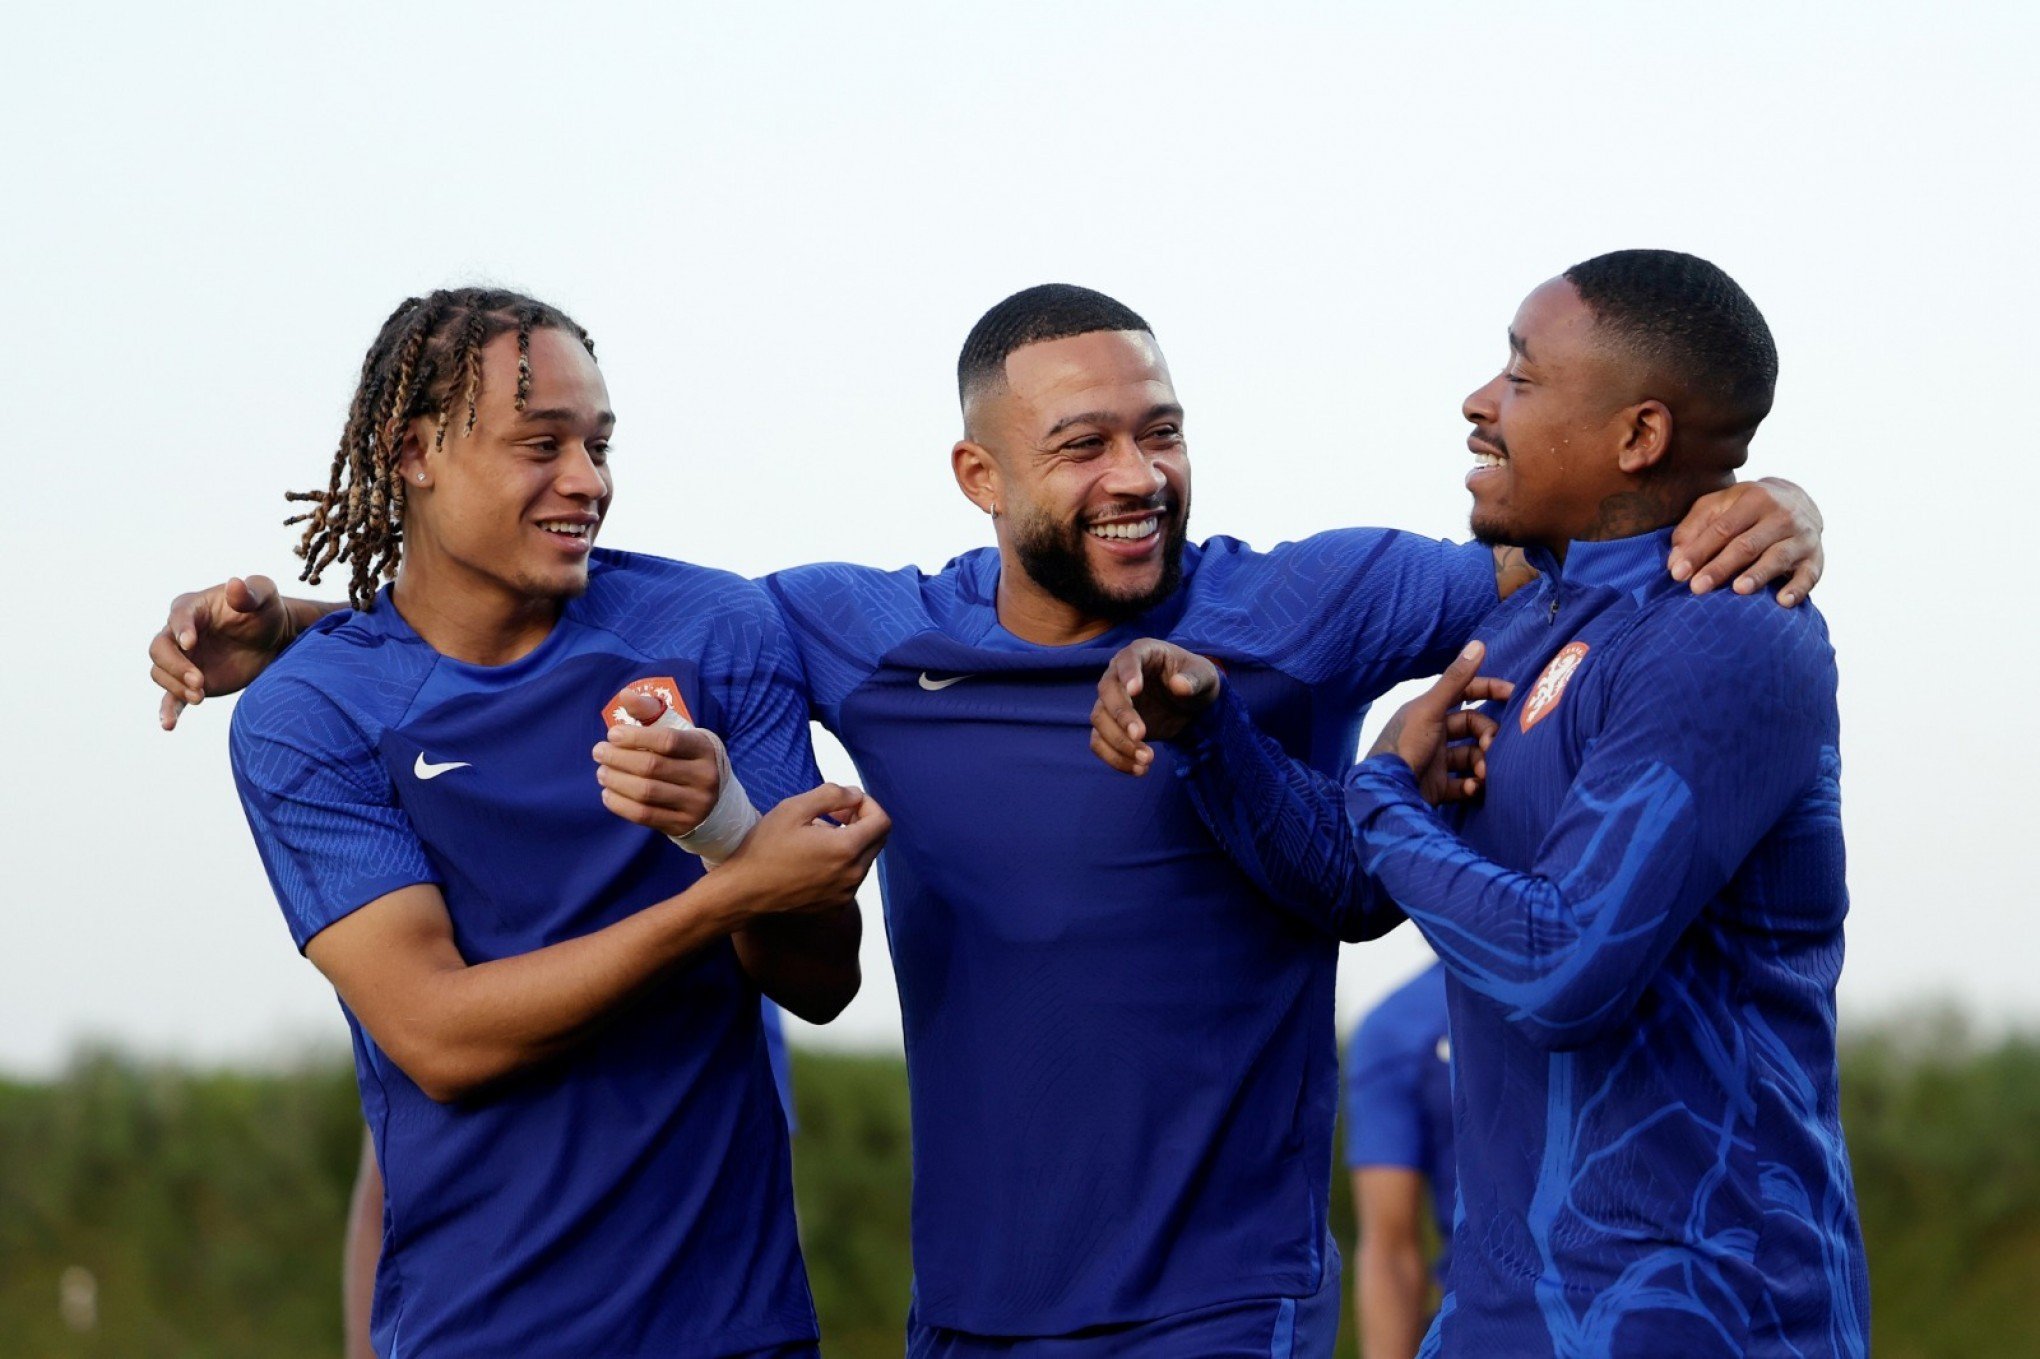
(1162, 502)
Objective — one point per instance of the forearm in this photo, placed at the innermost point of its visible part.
(1562, 949)
(302, 613)
(1283, 823)
(807, 964)
(1392, 1298)
(462, 1027)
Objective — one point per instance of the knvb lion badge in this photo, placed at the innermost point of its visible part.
(662, 687)
(1550, 686)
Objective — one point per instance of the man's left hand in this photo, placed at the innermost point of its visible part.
(1444, 744)
(1754, 533)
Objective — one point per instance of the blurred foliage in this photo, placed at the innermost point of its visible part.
(206, 1206)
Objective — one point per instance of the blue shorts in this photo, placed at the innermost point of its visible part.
(1260, 1328)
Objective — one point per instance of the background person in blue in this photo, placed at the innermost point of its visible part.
(1642, 920)
(555, 1015)
(1122, 1063)
(1399, 1151)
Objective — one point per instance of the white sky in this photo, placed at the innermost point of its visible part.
(779, 222)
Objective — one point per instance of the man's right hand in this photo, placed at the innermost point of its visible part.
(794, 860)
(217, 641)
(1151, 690)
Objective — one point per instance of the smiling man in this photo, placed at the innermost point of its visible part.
(1121, 1054)
(1641, 922)
(555, 1014)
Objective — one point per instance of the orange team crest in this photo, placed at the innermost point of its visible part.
(662, 687)
(1550, 686)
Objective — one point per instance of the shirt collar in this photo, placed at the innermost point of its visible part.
(1615, 563)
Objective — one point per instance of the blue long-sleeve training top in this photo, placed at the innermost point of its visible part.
(1642, 923)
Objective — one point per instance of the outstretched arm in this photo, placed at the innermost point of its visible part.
(217, 640)
(1699, 755)
(1280, 821)
(455, 1028)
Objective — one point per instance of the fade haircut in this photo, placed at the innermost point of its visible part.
(1691, 322)
(1047, 311)
(426, 362)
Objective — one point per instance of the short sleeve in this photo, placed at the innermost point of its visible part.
(840, 620)
(1384, 1108)
(321, 807)
(764, 700)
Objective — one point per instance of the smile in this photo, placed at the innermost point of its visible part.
(1130, 529)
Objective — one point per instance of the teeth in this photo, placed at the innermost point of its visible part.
(567, 530)
(1486, 460)
(1139, 528)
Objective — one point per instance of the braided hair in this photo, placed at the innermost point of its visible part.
(426, 361)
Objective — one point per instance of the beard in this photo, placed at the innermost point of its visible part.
(1484, 525)
(1055, 557)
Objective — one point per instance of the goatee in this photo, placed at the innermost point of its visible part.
(1055, 557)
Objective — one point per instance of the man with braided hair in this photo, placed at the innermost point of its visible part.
(555, 1011)
(1120, 1057)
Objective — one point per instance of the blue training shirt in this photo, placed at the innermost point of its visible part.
(1642, 923)
(632, 1197)
(1121, 1056)
(1399, 1092)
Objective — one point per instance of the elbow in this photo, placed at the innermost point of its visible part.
(821, 1003)
(1368, 923)
(445, 1082)
(444, 1074)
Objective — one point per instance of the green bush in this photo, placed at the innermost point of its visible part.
(207, 1206)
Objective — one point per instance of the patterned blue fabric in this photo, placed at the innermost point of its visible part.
(1122, 1061)
(1642, 924)
(1399, 1092)
(633, 1198)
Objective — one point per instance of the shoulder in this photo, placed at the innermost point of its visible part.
(325, 703)
(1729, 643)
(867, 609)
(1407, 1021)
(970, 577)
(1347, 551)
(630, 591)
(348, 664)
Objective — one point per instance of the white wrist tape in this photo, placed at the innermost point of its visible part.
(722, 831)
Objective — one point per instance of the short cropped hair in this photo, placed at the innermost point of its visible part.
(1691, 321)
(1047, 311)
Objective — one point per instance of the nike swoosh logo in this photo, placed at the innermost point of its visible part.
(425, 769)
(932, 685)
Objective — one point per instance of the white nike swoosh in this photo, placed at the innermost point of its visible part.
(931, 685)
(425, 769)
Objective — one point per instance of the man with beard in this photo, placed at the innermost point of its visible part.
(1122, 1060)
(1641, 921)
